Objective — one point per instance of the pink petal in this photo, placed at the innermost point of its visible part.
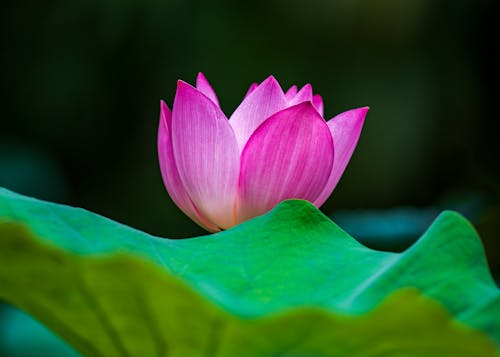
(251, 89)
(291, 92)
(264, 101)
(318, 103)
(206, 153)
(203, 86)
(169, 172)
(304, 94)
(289, 156)
(345, 128)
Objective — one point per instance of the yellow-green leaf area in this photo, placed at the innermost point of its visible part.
(289, 283)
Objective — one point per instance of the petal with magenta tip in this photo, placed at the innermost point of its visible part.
(318, 103)
(267, 99)
(289, 156)
(346, 129)
(169, 172)
(251, 89)
(305, 94)
(203, 86)
(291, 92)
(206, 153)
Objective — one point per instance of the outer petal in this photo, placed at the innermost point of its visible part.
(264, 101)
(304, 94)
(289, 156)
(251, 89)
(169, 172)
(345, 128)
(206, 154)
(318, 103)
(203, 86)
(291, 92)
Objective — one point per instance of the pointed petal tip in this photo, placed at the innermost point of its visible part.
(185, 86)
(304, 94)
(252, 87)
(291, 92)
(204, 87)
(362, 112)
(317, 101)
(163, 105)
(359, 113)
(270, 78)
(267, 99)
(165, 113)
(307, 107)
(200, 77)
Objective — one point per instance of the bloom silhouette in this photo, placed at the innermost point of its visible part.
(275, 146)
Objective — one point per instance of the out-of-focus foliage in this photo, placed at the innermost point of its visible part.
(292, 288)
(397, 228)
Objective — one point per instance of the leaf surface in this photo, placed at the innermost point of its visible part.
(290, 283)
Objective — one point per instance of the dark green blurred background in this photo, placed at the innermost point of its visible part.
(82, 80)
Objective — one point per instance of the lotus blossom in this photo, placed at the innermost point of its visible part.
(275, 146)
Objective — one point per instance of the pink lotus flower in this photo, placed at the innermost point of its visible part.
(275, 146)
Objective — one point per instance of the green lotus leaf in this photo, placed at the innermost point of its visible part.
(290, 283)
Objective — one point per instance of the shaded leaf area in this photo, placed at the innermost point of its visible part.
(121, 305)
(293, 256)
(22, 336)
